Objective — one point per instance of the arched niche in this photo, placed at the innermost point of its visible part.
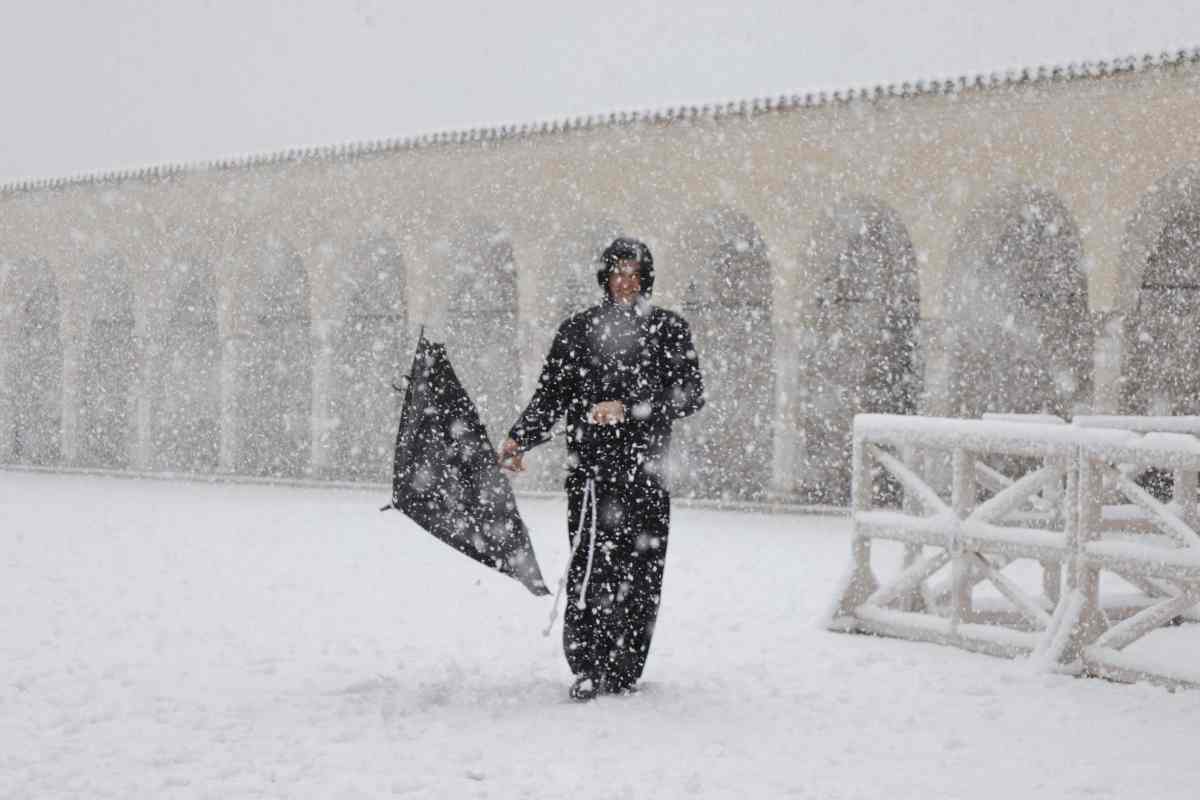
(187, 407)
(574, 260)
(110, 368)
(1160, 372)
(862, 356)
(34, 367)
(728, 453)
(275, 380)
(369, 358)
(481, 322)
(1019, 337)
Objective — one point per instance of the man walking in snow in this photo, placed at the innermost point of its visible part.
(621, 373)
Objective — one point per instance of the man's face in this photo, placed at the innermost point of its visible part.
(625, 282)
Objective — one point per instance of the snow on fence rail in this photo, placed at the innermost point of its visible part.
(1017, 493)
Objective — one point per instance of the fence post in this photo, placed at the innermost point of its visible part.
(1052, 571)
(1083, 579)
(1185, 495)
(913, 600)
(860, 582)
(962, 495)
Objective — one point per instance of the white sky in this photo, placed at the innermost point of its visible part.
(90, 86)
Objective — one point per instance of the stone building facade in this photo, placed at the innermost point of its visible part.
(1016, 242)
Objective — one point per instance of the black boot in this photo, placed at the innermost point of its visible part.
(618, 687)
(584, 688)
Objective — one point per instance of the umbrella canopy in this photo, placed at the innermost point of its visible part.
(445, 475)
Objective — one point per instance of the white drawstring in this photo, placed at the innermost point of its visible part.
(581, 603)
(589, 493)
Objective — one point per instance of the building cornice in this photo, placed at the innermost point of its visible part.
(733, 108)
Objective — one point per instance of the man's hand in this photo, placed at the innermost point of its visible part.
(610, 412)
(511, 457)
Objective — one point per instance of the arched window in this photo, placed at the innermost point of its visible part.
(729, 305)
(1019, 333)
(275, 384)
(109, 372)
(864, 355)
(35, 368)
(369, 358)
(1161, 374)
(187, 409)
(481, 324)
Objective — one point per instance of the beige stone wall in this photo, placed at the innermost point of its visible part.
(1114, 149)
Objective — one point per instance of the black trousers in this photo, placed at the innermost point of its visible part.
(614, 583)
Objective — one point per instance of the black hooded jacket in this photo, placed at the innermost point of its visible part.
(638, 354)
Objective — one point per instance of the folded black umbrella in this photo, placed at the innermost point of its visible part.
(445, 474)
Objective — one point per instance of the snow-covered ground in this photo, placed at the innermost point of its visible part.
(163, 639)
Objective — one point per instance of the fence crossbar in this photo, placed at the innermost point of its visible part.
(1029, 607)
(1125, 633)
(1013, 496)
(1160, 515)
(910, 480)
(910, 578)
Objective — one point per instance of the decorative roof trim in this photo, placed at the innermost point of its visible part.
(712, 110)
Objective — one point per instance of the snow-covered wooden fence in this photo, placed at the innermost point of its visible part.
(971, 539)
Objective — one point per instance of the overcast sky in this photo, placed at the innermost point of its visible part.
(113, 84)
